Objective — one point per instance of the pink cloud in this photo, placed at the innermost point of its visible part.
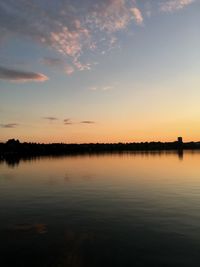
(74, 29)
(172, 5)
(58, 64)
(137, 15)
(68, 69)
(110, 15)
(52, 62)
(67, 28)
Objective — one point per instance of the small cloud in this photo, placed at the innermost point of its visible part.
(81, 66)
(52, 62)
(21, 76)
(93, 88)
(137, 15)
(51, 118)
(172, 5)
(58, 63)
(88, 122)
(103, 88)
(67, 122)
(68, 69)
(148, 9)
(107, 88)
(9, 125)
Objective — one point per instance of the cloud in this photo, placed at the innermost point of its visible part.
(137, 15)
(50, 118)
(9, 125)
(59, 64)
(101, 88)
(21, 76)
(88, 122)
(172, 5)
(68, 69)
(56, 26)
(67, 122)
(110, 15)
(107, 88)
(93, 88)
(74, 28)
(67, 26)
(52, 62)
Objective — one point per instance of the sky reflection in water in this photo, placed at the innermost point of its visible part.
(107, 210)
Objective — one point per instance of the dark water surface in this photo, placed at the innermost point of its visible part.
(134, 209)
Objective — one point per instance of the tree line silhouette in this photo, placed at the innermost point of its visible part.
(13, 146)
(13, 151)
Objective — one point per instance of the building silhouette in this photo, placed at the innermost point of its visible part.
(180, 140)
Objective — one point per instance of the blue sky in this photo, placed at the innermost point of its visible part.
(99, 71)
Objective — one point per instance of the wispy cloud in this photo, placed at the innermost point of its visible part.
(9, 125)
(53, 62)
(21, 76)
(66, 26)
(68, 122)
(50, 118)
(59, 64)
(88, 122)
(72, 28)
(68, 69)
(101, 88)
(110, 15)
(107, 88)
(93, 88)
(172, 5)
(56, 26)
(137, 15)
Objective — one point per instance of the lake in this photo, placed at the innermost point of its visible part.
(128, 209)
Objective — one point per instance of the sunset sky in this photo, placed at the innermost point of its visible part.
(99, 70)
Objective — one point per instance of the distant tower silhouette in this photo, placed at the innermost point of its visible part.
(180, 140)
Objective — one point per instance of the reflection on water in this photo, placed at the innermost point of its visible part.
(38, 228)
(14, 160)
(127, 209)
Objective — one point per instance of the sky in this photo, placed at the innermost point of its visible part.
(90, 71)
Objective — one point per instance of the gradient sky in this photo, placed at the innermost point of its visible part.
(99, 71)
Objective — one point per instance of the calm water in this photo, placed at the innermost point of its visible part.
(109, 210)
